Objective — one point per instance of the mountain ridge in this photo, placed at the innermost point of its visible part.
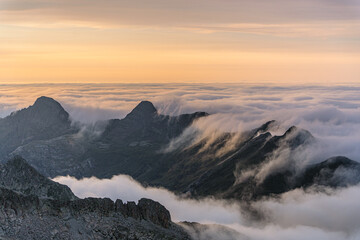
(28, 214)
(133, 146)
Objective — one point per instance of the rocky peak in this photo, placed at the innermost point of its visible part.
(46, 101)
(335, 162)
(48, 106)
(264, 128)
(146, 209)
(45, 119)
(295, 137)
(143, 109)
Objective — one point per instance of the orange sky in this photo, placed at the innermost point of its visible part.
(179, 41)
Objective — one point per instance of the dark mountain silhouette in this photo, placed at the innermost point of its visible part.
(45, 119)
(135, 146)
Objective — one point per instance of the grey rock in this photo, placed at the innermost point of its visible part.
(29, 211)
(28, 217)
(19, 176)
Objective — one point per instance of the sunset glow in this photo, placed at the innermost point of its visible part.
(179, 41)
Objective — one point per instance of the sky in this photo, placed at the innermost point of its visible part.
(182, 41)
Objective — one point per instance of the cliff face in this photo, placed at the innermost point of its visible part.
(27, 213)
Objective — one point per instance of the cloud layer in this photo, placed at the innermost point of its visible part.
(331, 114)
(295, 215)
(179, 13)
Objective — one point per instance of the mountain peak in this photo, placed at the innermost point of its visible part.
(46, 101)
(47, 106)
(144, 108)
(297, 136)
(266, 126)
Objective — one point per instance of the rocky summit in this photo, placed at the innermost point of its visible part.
(39, 208)
(45, 119)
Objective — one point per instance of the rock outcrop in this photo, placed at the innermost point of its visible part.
(34, 207)
(146, 209)
(28, 217)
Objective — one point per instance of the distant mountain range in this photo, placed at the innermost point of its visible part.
(45, 137)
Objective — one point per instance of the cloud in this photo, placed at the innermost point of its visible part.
(336, 211)
(294, 215)
(280, 17)
(233, 107)
(125, 188)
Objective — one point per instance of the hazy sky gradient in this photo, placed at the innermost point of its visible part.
(180, 41)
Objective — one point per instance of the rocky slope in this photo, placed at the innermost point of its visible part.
(32, 215)
(20, 177)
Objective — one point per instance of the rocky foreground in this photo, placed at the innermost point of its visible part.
(49, 210)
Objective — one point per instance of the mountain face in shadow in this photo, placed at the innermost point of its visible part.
(34, 207)
(44, 120)
(229, 166)
(128, 146)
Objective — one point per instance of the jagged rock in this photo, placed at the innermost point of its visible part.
(146, 209)
(28, 217)
(103, 206)
(26, 213)
(154, 212)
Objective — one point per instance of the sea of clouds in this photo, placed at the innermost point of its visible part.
(331, 114)
(295, 215)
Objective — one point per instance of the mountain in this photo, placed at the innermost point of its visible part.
(129, 146)
(26, 213)
(45, 119)
(228, 165)
(222, 179)
(335, 172)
